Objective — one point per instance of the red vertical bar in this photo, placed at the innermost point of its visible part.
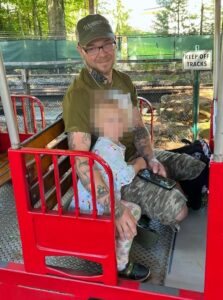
(147, 103)
(111, 193)
(43, 117)
(24, 115)
(40, 181)
(151, 122)
(33, 116)
(93, 194)
(57, 184)
(74, 179)
(214, 256)
(140, 106)
(41, 108)
(13, 98)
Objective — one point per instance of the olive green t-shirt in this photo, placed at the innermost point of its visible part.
(76, 103)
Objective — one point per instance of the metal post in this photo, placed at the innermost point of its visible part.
(8, 109)
(217, 36)
(196, 103)
(26, 88)
(216, 61)
(196, 88)
(25, 81)
(218, 144)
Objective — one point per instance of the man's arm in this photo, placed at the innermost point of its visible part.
(125, 222)
(81, 141)
(143, 144)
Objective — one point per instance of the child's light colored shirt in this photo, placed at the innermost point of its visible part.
(123, 173)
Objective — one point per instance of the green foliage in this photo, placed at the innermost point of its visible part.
(208, 19)
(162, 24)
(29, 17)
(22, 18)
(74, 10)
(173, 16)
(121, 16)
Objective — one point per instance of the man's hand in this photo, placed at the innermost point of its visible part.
(126, 224)
(156, 167)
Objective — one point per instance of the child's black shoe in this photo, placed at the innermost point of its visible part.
(135, 271)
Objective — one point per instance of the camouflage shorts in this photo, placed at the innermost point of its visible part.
(159, 203)
(180, 166)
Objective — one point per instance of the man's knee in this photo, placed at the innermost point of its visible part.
(171, 207)
(180, 166)
(182, 214)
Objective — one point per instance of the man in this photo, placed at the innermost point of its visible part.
(96, 45)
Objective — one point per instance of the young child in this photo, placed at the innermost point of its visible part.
(111, 119)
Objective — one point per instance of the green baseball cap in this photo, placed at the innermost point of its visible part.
(93, 27)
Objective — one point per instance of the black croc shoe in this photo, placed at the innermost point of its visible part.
(135, 271)
(144, 222)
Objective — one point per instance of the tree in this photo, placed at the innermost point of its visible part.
(172, 17)
(56, 18)
(161, 23)
(74, 10)
(91, 6)
(23, 17)
(207, 19)
(121, 16)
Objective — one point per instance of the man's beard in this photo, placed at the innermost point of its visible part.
(104, 73)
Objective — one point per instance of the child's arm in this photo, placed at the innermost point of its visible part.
(138, 164)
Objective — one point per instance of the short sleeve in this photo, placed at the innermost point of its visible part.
(76, 110)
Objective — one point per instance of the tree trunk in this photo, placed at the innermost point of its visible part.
(56, 18)
(20, 22)
(39, 27)
(35, 15)
(202, 18)
(29, 23)
(178, 18)
(91, 6)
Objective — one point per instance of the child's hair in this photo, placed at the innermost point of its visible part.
(111, 99)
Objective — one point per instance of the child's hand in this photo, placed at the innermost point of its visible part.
(139, 164)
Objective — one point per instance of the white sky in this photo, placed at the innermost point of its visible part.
(138, 18)
(141, 19)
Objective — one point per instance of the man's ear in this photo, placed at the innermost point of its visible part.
(80, 50)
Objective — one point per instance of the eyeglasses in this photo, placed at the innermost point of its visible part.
(108, 47)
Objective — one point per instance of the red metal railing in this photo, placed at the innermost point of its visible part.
(32, 104)
(46, 232)
(58, 232)
(143, 102)
(23, 105)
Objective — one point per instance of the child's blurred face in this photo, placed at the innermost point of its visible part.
(111, 121)
(111, 114)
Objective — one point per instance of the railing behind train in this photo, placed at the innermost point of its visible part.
(25, 108)
(145, 103)
(26, 119)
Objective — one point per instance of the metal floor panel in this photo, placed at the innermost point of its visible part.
(10, 245)
(157, 256)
